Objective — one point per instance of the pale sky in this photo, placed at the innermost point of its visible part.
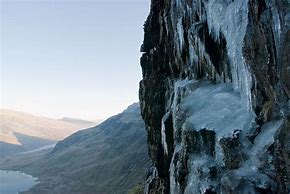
(71, 58)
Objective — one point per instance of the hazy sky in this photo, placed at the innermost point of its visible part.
(71, 58)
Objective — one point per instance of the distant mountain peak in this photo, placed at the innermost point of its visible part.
(37, 128)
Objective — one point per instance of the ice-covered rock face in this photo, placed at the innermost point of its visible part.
(215, 96)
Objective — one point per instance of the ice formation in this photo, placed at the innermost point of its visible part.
(215, 96)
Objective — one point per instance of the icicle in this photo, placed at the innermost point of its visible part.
(212, 71)
(180, 34)
(163, 133)
(222, 78)
(231, 19)
(174, 186)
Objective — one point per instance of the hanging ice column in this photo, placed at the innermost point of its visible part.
(163, 133)
(231, 19)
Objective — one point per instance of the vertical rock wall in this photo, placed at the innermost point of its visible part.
(215, 96)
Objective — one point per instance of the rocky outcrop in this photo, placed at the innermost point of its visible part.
(215, 96)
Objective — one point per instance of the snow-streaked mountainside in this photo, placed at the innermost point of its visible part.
(109, 158)
(215, 96)
(80, 122)
(21, 131)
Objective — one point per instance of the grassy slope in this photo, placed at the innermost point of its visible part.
(109, 158)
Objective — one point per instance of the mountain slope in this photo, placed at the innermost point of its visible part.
(109, 158)
(79, 122)
(29, 131)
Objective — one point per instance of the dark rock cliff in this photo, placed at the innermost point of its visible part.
(215, 96)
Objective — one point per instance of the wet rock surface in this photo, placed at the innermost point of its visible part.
(215, 96)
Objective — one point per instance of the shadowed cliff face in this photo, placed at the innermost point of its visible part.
(215, 96)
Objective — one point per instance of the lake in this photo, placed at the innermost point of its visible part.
(12, 182)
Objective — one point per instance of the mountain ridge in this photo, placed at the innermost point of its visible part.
(108, 158)
(17, 125)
